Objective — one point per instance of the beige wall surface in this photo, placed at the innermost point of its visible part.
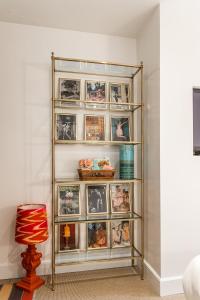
(25, 152)
(148, 47)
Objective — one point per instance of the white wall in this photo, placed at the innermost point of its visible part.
(180, 187)
(148, 43)
(25, 152)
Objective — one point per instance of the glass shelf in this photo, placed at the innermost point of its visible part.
(110, 107)
(114, 180)
(95, 68)
(97, 218)
(97, 255)
(97, 142)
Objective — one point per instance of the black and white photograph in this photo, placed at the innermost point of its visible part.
(95, 91)
(120, 234)
(69, 89)
(96, 199)
(65, 127)
(68, 200)
(119, 94)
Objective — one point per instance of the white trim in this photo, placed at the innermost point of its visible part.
(17, 271)
(164, 285)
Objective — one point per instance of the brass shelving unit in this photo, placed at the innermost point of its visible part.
(108, 70)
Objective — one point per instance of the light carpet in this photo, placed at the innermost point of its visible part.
(89, 286)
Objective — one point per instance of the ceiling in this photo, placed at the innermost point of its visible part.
(112, 17)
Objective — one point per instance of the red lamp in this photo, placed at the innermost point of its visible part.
(31, 229)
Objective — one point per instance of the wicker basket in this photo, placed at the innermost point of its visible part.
(96, 174)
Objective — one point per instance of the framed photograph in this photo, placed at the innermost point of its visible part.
(94, 128)
(68, 237)
(121, 234)
(65, 127)
(68, 200)
(120, 198)
(97, 235)
(70, 89)
(120, 129)
(96, 199)
(119, 93)
(95, 91)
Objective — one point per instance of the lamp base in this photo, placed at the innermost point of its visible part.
(30, 285)
(30, 261)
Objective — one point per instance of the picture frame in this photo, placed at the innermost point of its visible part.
(119, 93)
(97, 235)
(68, 237)
(120, 198)
(120, 233)
(70, 89)
(96, 91)
(120, 128)
(65, 127)
(97, 199)
(68, 199)
(94, 127)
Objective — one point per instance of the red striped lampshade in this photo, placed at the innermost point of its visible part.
(31, 224)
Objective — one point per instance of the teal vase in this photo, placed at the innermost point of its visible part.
(126, 162)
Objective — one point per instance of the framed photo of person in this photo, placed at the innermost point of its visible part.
(120, 198)
(97, 199)
(68, 237)
(94, 128)
(65, 127)
(120, 129)
(69, 89)
(120, 234)
(119, 93)
(95, 91)
(68, 200)
(97, 237)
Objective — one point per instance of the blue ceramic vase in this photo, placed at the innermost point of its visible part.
(126, 170)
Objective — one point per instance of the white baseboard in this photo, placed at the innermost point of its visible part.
(164, 286)
(17, 271)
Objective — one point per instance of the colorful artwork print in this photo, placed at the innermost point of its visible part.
(69, 89)
(68, 200)
(96, 91)
(121, 236)
(120, 130)
(120, 198)
(68, 237)
(97, 235)
(96, 199)
(94, 128)
(65, 127)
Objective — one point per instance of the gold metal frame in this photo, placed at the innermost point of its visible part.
(123, 104)
(59, 89)
(58, 202)
(130, 231)
(96, 103)
(77, 231)
(85, 126)
(107, 236)
(130, 196)
(129, 129)
(56, 137)
(87, 198)
(136, 254)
